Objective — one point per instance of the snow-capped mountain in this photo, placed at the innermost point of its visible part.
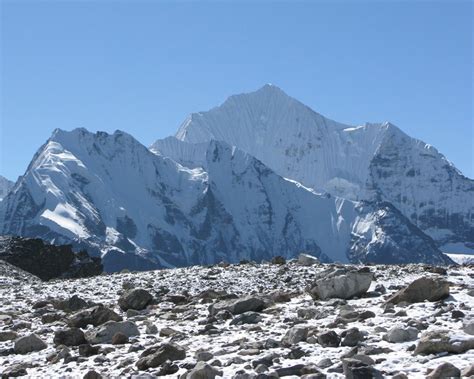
(370, 162)
(141, 210)
(5, 186)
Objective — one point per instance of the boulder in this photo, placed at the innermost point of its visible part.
(74, 303)
(468, 371)
(202, 370)
(351, 337)
(156, 356)
(358, 369)
(295, 335)
(425, 288)
(136, 299)
(342, 283)
(238, 306)
(7, 335)
(442, 341)
(329, 339)
(28, 344)
(468, 327)
(96, 316)
(105, 332)
(399, 334)
(307, 260)
(246, 318)
(69, 337)
(445, 370)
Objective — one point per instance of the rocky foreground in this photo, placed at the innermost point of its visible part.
(294, 319)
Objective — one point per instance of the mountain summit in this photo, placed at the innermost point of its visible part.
(371, 162)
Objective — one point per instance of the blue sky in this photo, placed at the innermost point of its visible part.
(142, 66)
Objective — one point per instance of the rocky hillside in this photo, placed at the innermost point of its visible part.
(48, 261)
(295, 319)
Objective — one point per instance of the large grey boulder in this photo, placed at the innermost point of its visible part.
(399, 334)
(28, 344)
(238, 306)
(136, 299)
(425, 288)
(442, 341)
(342, 283)
(105, 332)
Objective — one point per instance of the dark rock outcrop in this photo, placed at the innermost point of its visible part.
(48, 261)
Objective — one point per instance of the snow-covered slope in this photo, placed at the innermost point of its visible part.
(5, 186)
(370, 162)
(141, 210)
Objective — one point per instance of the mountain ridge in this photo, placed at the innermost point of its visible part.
(137, 209)
(374, 162)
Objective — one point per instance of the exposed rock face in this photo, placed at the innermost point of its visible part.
(48, 261)
(340, 283)
(431, 289)
(27, 344)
